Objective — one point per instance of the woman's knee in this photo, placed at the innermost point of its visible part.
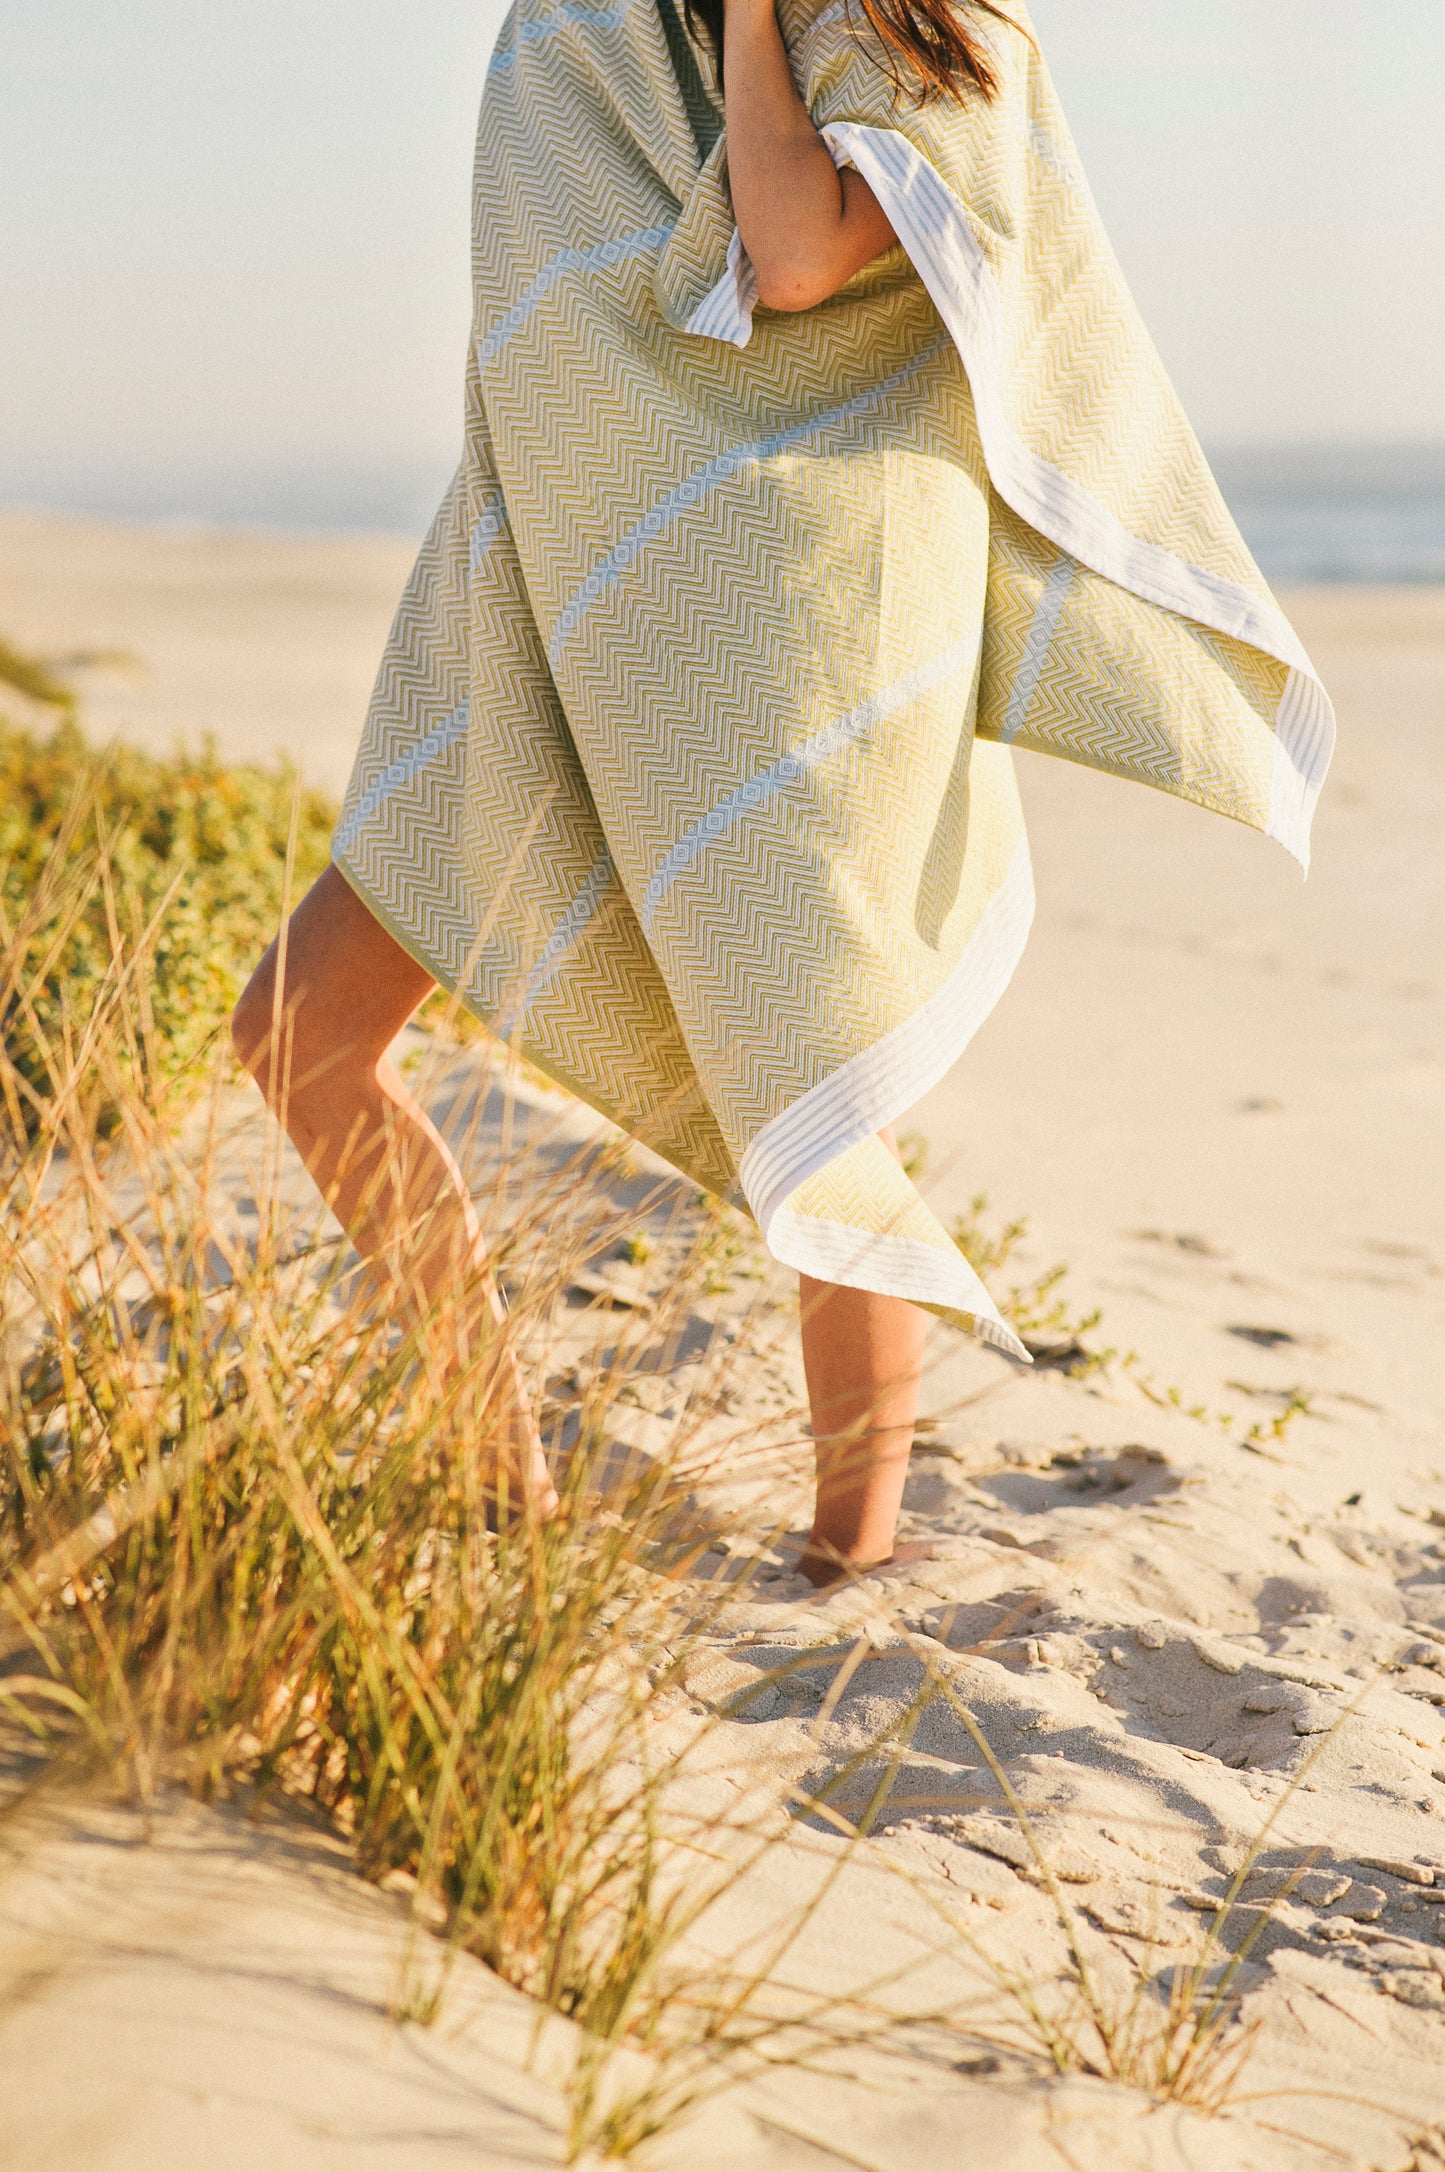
(347, 991)
(286, 1032)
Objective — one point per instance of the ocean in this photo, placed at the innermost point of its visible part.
(1326, 513)
(1356, 513)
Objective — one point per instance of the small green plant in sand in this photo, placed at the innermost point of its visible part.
(1272, 1432)
(1042, 1316)
(725, 1252)
(1039, 1311)
(1266, 1437)
(913, 1154)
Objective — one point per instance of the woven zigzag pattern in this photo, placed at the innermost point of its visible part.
(479, 860)
(1201, 729)
(688, 763)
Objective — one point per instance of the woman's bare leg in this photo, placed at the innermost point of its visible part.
(317, 1049)
(863, 1358)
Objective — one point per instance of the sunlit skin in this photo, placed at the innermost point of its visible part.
(806, 226)
(319, 1057)
(350, 988)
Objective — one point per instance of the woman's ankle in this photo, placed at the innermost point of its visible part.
(825, 1564)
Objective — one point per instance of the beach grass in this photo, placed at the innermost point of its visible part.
(248, 1541)
(252, 1542)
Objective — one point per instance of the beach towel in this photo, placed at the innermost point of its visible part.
(689, 764)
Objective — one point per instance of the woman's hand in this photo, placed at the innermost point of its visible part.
(807, 226)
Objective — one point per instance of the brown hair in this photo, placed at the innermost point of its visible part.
(929, 46)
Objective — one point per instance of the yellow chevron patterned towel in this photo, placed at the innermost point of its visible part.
(688, 763)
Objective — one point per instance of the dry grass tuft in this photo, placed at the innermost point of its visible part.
(247, 1538)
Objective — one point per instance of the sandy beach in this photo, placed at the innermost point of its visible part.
(1165, 1590)
(269, 642)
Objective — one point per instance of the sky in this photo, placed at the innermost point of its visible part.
(234, 253)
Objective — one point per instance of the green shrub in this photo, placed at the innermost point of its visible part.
(92, 845)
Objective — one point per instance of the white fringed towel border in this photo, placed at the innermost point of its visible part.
(949, 258)
(870, 1091)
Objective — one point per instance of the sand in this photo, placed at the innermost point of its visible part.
(1214, 1091)
(268, 641)
(219, 1993)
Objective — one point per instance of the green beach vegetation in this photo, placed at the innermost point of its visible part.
(180, 860)
(246, 1543)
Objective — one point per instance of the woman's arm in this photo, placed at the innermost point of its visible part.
(807, 226)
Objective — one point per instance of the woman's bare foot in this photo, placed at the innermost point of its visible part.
(823, 1565)
(509, 1507)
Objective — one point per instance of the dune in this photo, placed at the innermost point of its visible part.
(1187, 1597)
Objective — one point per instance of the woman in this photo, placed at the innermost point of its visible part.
(814, 456)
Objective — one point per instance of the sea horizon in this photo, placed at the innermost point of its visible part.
(1348, 514)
